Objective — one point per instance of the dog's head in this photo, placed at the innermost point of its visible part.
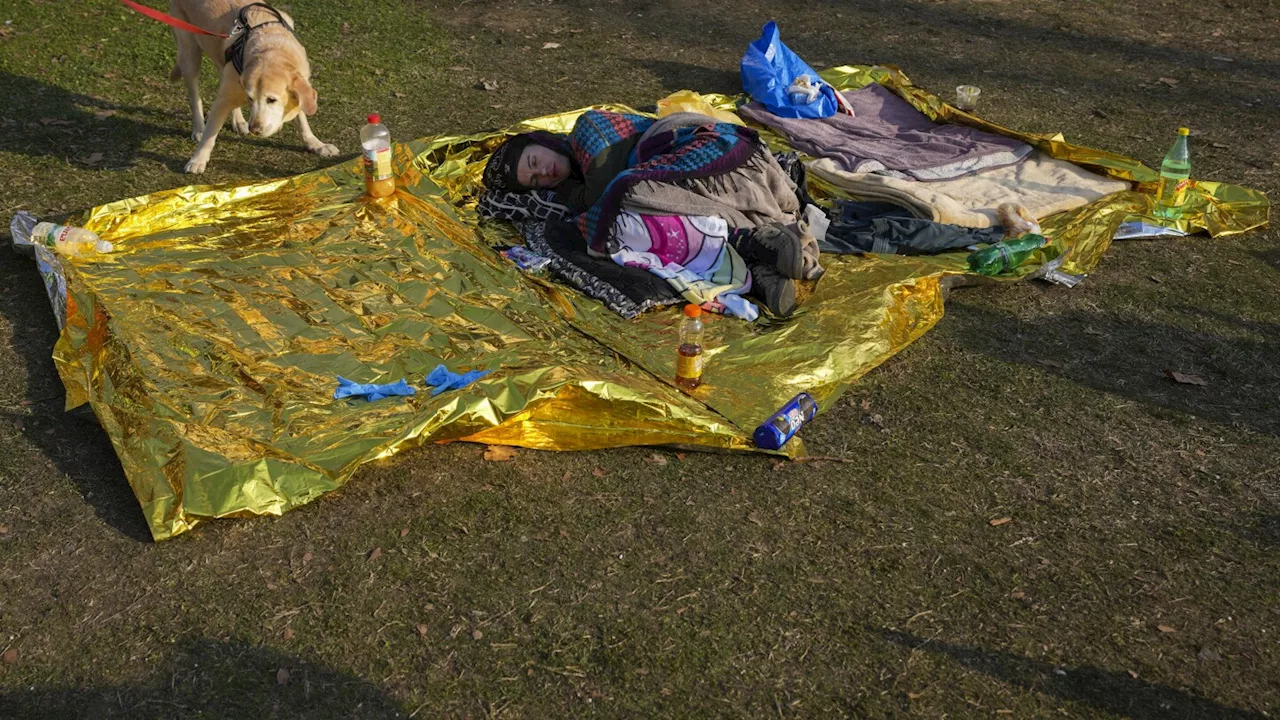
(278, 89)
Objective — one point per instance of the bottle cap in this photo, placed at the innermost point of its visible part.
(374, 118)
(692, 310)
(103, 246)
(1184, 131)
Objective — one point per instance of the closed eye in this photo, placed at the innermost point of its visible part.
(272, 101)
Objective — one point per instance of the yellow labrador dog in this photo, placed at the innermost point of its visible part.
(262, 63)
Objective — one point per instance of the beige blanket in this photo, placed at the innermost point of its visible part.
(1043, 185)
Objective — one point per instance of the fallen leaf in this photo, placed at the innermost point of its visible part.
(346, 28)
(1208, 654)
(397, 95)
(1169, 81)
(1062, 91)
(754, 517)
(1185, 379)
(1091, 330)
(458, 68)
(1216, 33)
(108, 75)
(404, 531)
(476, 634)
(865, 404)
(876, 419)
(1164, 34)
(642, 671)
(1223, 58)
(103, 114)
(657, 459)
(499, 453)
(914, 696)
(288, 633)
(599, 472)
(282, 676)
(1220, 146)
(1133, 674)
(550, 46)
(422, 629)
(374, 554)
(1101, 114)
(1000, 521)
(4, 529)
(10, 656)
(1017, 594)
(496, 107)
(1154, 279)
(1166, 628)
(55, 121)
(681, 456)
(489, 85)
(306, 557)
(93, 159)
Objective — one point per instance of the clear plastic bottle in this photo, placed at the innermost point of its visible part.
(375, 139)
(69, 240)
(689, 355)
(1175, 173)
(1004, 255)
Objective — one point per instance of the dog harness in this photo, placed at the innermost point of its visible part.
(240, 31)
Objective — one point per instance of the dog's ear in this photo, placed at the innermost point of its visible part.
(306, 94)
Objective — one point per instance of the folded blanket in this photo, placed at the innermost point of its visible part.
(756, 192)
(626, 291)
(888, 136)
(1042, 184)
(692, 254)
(669, 151)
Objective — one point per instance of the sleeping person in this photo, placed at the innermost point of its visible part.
(700, 203)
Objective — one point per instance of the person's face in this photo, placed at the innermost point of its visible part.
(541, 167)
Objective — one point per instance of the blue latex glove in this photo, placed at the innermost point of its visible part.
(370, 391)
(443, 380)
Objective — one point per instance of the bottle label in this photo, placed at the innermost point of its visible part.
(377, 164)
(689, 368)
(795, 419)
(1173, 191)
(57, 234)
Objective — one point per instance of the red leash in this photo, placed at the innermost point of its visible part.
(169, 19)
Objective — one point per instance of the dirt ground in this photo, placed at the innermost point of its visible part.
(1136, 576)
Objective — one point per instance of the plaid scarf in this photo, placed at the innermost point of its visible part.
(683, 154)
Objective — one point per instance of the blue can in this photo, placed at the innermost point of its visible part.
(784, 424)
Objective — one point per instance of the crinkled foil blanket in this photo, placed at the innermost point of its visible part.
(210, 342)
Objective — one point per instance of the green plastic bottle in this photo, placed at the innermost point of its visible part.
(1174, 174)
(1004, 255)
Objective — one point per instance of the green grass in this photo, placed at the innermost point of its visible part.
(710, 585)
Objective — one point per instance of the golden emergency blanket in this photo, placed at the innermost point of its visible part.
(210, 343)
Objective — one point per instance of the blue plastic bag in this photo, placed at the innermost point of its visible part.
(769, 68)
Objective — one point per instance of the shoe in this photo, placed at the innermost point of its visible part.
(778, 293)
(775, 245)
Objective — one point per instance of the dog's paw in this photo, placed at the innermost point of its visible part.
(196, 134)
(196, 165)
(240, 125)
(324, 150)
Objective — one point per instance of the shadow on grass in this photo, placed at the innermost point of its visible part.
(58, 123)
(1128, 356)
(213, 679)
(73, 441)
(1117, 693)
(694, 77)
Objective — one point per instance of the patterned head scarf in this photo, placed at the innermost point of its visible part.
(500, 171)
